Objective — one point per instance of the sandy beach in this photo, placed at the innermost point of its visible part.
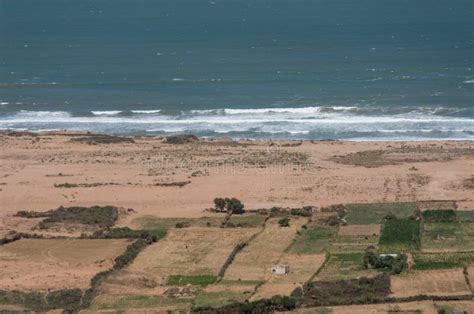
(153, 177)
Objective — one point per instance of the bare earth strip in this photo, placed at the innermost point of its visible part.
(37, 264)
(254, 261)
(302, 267)
(439, 283)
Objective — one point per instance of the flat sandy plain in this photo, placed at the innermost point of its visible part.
(145, 175)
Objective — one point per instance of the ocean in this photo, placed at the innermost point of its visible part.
(262, 69)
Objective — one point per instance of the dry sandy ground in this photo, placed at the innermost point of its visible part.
(36, 264)
(261, 174)
(439, 282)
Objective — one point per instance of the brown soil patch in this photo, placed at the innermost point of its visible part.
(439, 282)
(37, 264)
(359, 230)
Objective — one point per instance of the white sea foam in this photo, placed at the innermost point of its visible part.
(469, 82)
(106, 113)
(145, 111)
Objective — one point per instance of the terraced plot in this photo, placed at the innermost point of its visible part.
(436, 282)
(444, 237)
(189, 252)
(254, 261)
(362, 214)
(42, 264)
(302, 267)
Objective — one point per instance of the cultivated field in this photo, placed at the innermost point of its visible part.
(255, 260)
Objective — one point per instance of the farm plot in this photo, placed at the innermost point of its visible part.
(436, 205)
(159, 304)
(362, 214)
(313, 240)
(347, 265)
(224, 293)
(433, 282)
(190, 255)
(255, 260)
(424, 261)
(41, 264)
(445, 236)
(302, 267)
(400, 235)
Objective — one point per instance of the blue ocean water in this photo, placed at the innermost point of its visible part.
(305, 69)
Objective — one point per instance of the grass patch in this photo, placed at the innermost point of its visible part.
(156, 223)
(135, 301)
(312, 240)
(466, 216)
(424, 261)
(400, 235)
(246, 221)
(220, 298)
(439, 215)
(363, 214)
(199, 280)
(69, 299)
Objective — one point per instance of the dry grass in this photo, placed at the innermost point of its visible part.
(439, 282)
(40, 264)
(190, 251)
(302, 267)
(255, 260)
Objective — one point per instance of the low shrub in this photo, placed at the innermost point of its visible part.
(127, 233)
(275, 304)
(306, 211)
(284, 222)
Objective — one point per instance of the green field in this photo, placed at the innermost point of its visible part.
(439, 216)
(400, 235)
(448, 236)
(440, 260)
(363, 214)
(312, 240)
(464, 215)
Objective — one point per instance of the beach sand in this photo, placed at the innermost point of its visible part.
(152, 177)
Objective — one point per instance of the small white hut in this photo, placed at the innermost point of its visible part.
(280, 269)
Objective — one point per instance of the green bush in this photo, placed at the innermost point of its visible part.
(284, 222)
(231, 205)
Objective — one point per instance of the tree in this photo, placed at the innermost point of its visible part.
(219, 203)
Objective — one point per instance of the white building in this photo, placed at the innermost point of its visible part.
(280, 269)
